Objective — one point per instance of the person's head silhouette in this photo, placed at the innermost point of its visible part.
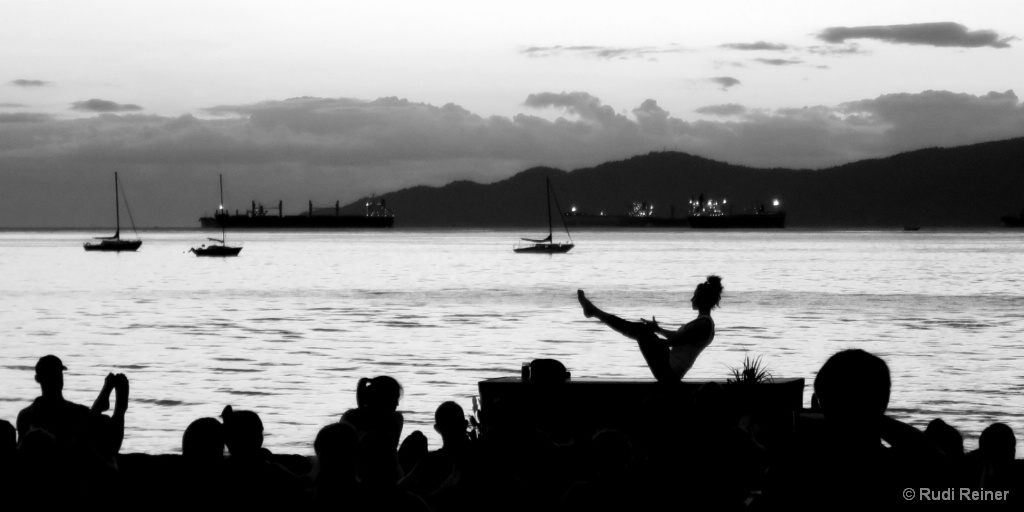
(243, 431)
(203, 440)
(853, 389)
(50, 375)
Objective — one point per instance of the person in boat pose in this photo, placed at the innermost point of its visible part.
(671, 354)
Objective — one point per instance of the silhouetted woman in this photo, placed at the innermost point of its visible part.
(377, 409)
(671, 354)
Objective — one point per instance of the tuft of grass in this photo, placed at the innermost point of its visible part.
(753, 371)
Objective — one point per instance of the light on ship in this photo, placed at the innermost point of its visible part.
(775, 202)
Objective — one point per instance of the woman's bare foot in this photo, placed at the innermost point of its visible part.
(589, 309)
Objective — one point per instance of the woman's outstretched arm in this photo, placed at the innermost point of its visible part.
(694, 332)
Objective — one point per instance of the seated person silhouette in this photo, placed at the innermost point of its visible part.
(50, 411)
(377, 409)
(450, 422)
(853, 389)
(669, 354)
(250, 474)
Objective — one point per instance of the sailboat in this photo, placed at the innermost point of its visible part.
(114, 243)
(218, 250)
(547, 245)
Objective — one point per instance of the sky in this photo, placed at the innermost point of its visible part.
(332, 101)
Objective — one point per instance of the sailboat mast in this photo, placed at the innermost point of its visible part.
(223, 232)
(547, 183)
(117, 210)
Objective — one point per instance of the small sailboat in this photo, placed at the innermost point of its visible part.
(223, 249)
(114, 243)
(547, 245)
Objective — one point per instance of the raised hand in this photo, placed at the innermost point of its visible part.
(102, 402)
(121, 386)
(652, 323)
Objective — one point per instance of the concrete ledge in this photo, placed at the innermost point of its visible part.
(582, 405)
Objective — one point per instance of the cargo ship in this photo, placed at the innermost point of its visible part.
(259, 217)
(640, 215)
(1013, 221)
(711, 214)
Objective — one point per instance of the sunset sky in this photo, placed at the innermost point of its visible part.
(335, 100)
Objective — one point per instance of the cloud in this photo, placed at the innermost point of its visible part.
(840, 50)
(29, 83)
(600, 52)
(780, 62)
(940, 117)
(725, 81)
(945, 34)
(95, 105)
(725, 110)
(760, 45)
(329, 149)
(24, 117)
(582, 104)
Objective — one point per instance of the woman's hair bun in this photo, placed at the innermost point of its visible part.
(715, 282)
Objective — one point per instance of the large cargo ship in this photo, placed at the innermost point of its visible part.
(259, 217)
(712, 214)
(640, 215)
(1013, 221)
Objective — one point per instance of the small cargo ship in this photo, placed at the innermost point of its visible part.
(259, 217)
(640, 215)
(1013, 221)
(711, 214)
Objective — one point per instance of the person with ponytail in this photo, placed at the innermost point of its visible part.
(669, 354)
(377, 409)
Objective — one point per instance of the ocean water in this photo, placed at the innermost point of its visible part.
(288, 327)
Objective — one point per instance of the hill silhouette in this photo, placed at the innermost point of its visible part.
(966, 186)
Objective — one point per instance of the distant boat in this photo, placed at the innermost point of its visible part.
(911, 228)
(376, 215)
(709, 214)
(547, 245)
(639, 215)
(223, 249)
(1013, 221)
(114, 243)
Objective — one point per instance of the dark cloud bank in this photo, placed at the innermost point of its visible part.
(95, 105)
(58, 172)
(931, 34)
(29, 83)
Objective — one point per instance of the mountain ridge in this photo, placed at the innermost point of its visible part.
(963, 186)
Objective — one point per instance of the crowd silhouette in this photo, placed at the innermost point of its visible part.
(697, 455)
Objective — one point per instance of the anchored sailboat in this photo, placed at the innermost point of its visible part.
(547, 245)
(114, 243)
(218, 250)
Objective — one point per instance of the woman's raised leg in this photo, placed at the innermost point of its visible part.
(654, 349)
(632, 330)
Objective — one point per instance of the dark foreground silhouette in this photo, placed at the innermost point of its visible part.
(697, 455)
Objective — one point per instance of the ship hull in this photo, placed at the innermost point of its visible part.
(1011, 221)
(114, 246)
(297, 222)
(622, 221)
(217, 251)
(544, 249)
(738, 221)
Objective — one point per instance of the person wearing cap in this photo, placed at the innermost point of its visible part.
(50, 411)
